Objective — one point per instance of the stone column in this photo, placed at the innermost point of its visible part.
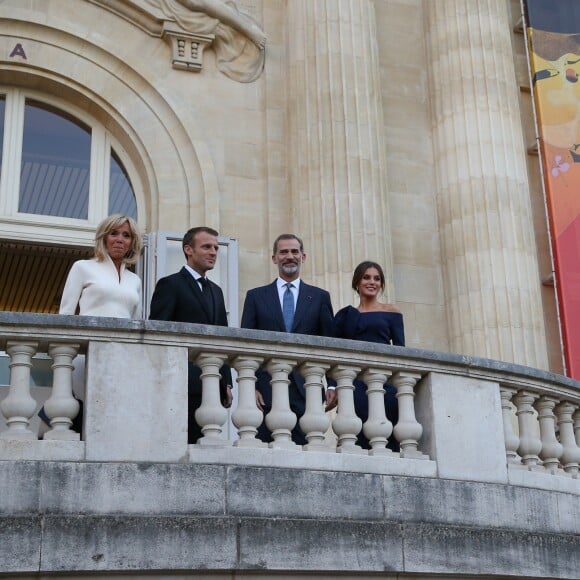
(530, 442)
(62, 407)
(512, 440)
(492, 284)
(336, 160)
(377, 428)
(281, 419)
(19, 405)
(315, 422)
(346, 424)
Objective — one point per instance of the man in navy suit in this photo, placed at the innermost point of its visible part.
(298, 308)
(188, 296)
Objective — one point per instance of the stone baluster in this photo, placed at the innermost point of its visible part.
(377, 428)
(408, 430)
(19, 406)
(211, 415)
(512, 441)
(314, 422)
(281, 420)
(346, 424)
(576, 418)
(551, 448)
(247, 417)
(570, 458)
(530, 444)
(61, 407)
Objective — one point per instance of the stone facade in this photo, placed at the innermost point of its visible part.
(95, 520)
(388, 130)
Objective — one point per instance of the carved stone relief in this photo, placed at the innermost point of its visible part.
(192, 25)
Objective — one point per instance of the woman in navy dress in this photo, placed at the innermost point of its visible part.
(372, 321)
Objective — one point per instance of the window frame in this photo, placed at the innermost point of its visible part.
(24, 226)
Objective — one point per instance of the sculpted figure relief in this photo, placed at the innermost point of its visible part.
(239, 41)
(228, 14)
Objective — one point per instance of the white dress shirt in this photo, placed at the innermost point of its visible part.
(282, 289)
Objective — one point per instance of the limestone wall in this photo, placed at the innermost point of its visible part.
(195, 520)
(335, 140)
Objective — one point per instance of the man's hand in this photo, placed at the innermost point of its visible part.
(259, 400)
(331, 399)
(228, 399)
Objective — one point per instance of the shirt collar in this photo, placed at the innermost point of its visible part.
(196, 275)
(282, 283)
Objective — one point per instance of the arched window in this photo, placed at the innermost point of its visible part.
(61, 173)
(58, 163)
(121, 195)
(55, 165)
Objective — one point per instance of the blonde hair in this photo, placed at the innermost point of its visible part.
(107, 226)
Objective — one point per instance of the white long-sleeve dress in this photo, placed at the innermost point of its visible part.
(98, 290)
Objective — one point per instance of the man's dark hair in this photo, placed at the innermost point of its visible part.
(287, 237)
(189, 237)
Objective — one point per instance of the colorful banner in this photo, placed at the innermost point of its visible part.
(554, 44)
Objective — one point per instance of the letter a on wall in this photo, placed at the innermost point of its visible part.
(18, 50)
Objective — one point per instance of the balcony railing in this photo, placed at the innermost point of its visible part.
(460, 417)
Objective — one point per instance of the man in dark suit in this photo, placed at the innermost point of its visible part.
(287, 305)
(188, 296)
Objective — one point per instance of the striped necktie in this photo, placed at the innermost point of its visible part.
(288, 307)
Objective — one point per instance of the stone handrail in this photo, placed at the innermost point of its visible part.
(460, 417)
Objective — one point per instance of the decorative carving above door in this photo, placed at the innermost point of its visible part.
(190, 26)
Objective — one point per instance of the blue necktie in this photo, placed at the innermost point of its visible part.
(288, 307)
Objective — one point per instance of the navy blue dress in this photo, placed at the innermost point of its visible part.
(384, 328)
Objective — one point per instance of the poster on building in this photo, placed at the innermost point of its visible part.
(553, 32)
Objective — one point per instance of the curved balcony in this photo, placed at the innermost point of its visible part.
(486, 482)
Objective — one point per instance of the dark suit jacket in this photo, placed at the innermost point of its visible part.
(178, 298)
(313, 315)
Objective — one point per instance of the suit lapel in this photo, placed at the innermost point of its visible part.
(273, 302)
(196, 290)
(303, 304)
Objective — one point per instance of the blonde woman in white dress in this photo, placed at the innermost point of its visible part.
(103, 286)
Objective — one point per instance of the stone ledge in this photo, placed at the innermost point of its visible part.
(38, 450)
(32, 489)
(129, 544)
(101, 328)
(127, 517)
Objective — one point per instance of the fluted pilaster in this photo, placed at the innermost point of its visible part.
(492, 285)
(336, 146)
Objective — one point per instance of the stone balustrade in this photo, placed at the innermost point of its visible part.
(459, 417)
